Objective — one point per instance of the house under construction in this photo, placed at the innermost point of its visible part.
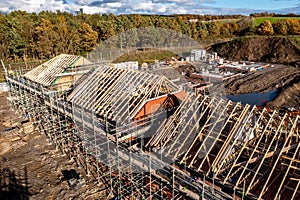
(141, 136)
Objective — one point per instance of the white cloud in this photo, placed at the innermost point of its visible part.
(146, 6)
(32, 5)
(162, 9)
(206, 1)
(82, 2)
(128, 6)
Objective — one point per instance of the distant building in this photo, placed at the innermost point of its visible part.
(79, 12)
(131, 65)
(196, 55)
(193, 20)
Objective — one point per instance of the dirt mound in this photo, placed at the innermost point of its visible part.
(289, 95)
(260, 49)
(277, 77)
(280, 50)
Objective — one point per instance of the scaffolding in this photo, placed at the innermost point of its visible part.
(254, 151)
(140, 136)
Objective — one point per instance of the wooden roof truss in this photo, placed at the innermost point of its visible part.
(46, 73)
(117, 94)
(240, 146)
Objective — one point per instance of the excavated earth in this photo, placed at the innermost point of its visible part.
(260, 49)
(285, 79)
(284, 76)
(31, 167)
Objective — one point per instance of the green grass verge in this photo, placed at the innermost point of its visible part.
(146, 55)
(259, 20)
(222, 21)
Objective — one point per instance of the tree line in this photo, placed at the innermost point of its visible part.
(29, 36)
(266, 14)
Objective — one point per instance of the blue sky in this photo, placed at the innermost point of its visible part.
(255, 4)
(155, 6)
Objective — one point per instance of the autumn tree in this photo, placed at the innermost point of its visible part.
(246, 26)
(45, 37)
(47, 33)
(202, 30)
(213, 29)
(265, 28)
(225, 30)
(105, 29)
(173, 24)
(280, 27)
(67, 35)
(87, 38)
(293, 26)
(194, 32)
(234, 27)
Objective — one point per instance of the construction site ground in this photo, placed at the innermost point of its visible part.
(285, 79)
(32, 168)
(280, 51)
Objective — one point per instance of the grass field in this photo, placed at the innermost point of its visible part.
(259, 20)
(148, 55)
(223, 20)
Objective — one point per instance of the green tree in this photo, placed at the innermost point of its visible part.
(213, 29)
(202, 30)
(186, 29)
(18, 28)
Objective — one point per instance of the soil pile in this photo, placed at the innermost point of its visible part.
(285, 79)
(277, 77)
(289, 95)
(281, 51)
(260, 49)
